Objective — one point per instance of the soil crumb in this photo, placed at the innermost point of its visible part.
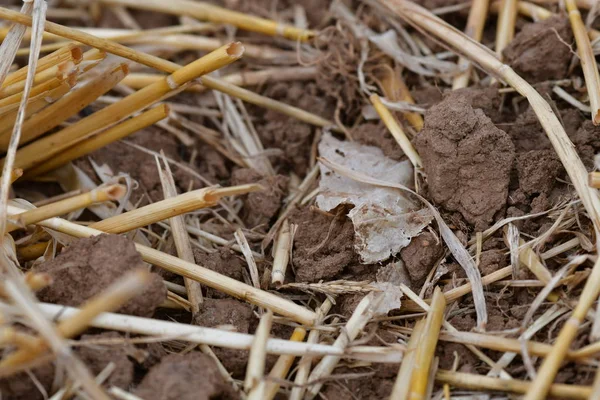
(193, 376)
(97, 357)
(323, 245)
(222, 313)
(420, 256)
(260, 207)
(223, 261)
(467, 160)
(89, 266)
(538, 170)
(541, 52)
(21, 386)
(377, 384)
(371, 134)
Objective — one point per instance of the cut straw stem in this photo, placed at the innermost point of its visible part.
(169, 67)
(190, 333)
(203, 275)
(282, 367)
(474, 29)
(36, 281)
(396, 131)
(395, 89)
(483, 383)
(43, 149)
(7, 120)
(102, 139)
(66, 53)
(242, 78)
(208, 12)
(15, 174)
(281, 257)
(11, 102)
(258, 354)
(594, 180)
(507, 18)
(460, 291)
(181, 238)
(99, 195)
(53, 115)
(111, 299)
(362, 314)
(168, 208)
(305, 362)
(541, 384)
(419, 382)
(401, 387)
(60, 71)
(587, 58)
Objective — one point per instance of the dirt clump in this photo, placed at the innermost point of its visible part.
(88, 266)
(260, 207)
(223, 261)
(541, 52)
(467, 160)
(373, 383)
(491, 261)
(21, 386)
(223, 312)
(420, 256)
(293, 138)
(323, 244)
(193, 376)
(98, 356)
(371, 134)
(486, 99)
(537, 171)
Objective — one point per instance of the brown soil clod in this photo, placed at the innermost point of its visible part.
(467, 160)
(541, 51)
(323, 245)
(192, 376)
(97, 357)
(260, 207)
(88, 266)
(420, 256)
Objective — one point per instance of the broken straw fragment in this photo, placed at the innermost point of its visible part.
(384, 219)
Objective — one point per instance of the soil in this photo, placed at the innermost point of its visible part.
(97, 357)
(22, 386)
(467, 160)
(541, 51)
(420, 256)
(88, 266)
(323, 244)
(193, 376)
(485, 156)
(223, 261)
(260, 207)
(226, 313)
(372, 134)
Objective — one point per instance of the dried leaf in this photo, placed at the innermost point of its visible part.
(384, 220)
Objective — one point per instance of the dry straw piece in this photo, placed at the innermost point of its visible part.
(209, 12)
(396, 131)
(474, 29)
(43, 149)
(507, 18)
(67, 106)
(169, 67)
(89, 145)
(190, 270)
(171, 207)
(99, 195)
(587, 59)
